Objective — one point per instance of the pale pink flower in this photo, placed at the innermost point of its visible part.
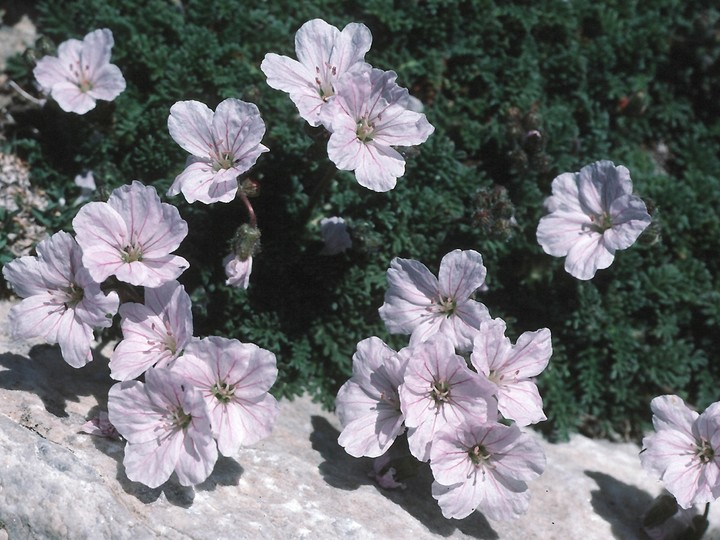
(81, 73)
(510, 369)
(223, 145)
(62, 303)
(420, 304)
(335, 234)
(233, 379)
(438, 391)
(593, 213)
(385, 474)
(368, 405)
(167, 428)
(100, 426)
(484, 467)
(237, 271)
(324, 54)
(684, 451)
(154, 333)
(132, 237)
(371, 115)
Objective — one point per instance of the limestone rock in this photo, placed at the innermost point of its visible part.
(57, 482)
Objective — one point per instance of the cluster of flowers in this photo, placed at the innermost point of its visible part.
(198, 396)
(365, 111)
(451, 405)
(460, 390)
(196, 391)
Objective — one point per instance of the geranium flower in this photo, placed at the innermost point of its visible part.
(237, 271)
(368, 405)
(335, 235)
(233, 379)
(438, 391)
(62, 303)
(592, 214)
(100, 426)
(154, 333)
(166, 424)
(684, 451)
(370, 115)
(484, 467)
(131, 236)
(510, 368)
(420, 304)
(81, 73)
(223, 144)
(324, 54)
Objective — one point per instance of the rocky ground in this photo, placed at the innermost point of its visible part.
(57, 482)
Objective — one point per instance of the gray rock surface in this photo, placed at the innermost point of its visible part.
(57, 482)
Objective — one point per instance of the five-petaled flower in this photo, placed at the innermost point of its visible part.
(438, 391)
(684, 451)
(324, 54)
(368, 405)
(62, 303)
(370, 115)
(167, 428)
(234, 379)
(223, 145)
(131, 236)
(154, 333)
(420, 304)
(81, 73)
(511, 368)
(485, 467)
(593, 213)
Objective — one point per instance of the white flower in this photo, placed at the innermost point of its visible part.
(684, 451)
(324, 53)
(592, 214)
(81, 73)
(420, 304)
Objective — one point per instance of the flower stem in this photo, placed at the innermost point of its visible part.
(250, 210)
(319, 190)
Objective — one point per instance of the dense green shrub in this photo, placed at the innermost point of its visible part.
(634, 82)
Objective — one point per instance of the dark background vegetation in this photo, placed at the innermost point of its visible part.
(518, 92)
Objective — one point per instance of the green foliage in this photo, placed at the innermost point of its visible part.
(634, 82)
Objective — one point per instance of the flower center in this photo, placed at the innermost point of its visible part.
(440, 392)
(705, 452)
(224, 160)
(223, 391)
(79, 72)
(365, 129)
(479, 454)
(324, 80)
(179, 418)
(602, 222)
(447, 306)
(131, 254)
(75, 295)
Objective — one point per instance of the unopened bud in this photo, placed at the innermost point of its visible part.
(246, 242)
(250, 187)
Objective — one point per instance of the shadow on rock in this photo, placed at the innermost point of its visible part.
(47, 375)
(620, 504)
(227, 472)
(343, 471)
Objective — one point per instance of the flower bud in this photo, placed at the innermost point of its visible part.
(246, 242)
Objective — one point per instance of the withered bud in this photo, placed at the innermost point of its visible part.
(250, 187)
(246, 242)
